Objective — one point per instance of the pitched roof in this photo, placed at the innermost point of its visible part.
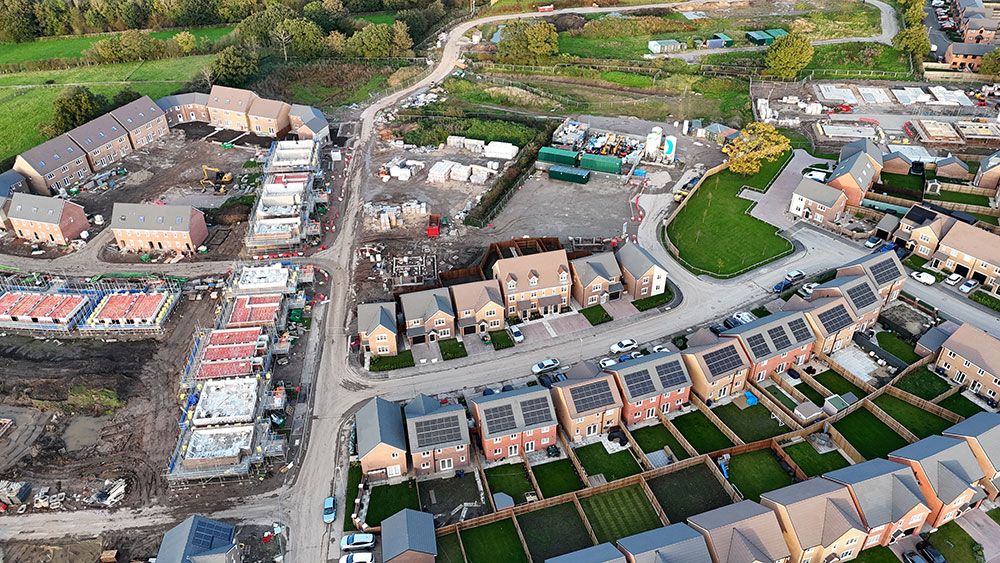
(819, 192)
(52, 154)
(884, 268)
(636, 259)
(743, 532)
(511, 412)
(407, 530)
(985, 428)
(923, 216)
(312, 118)
(42, 209)
(886, 490)
(373, 315)
(137, 112)
(821, 511)
(896, 155)
(773, 335)
(8, 180)
(97, 132)
(952, 160)
(829, 314)
(429, 424)
(379, 422)
(589, 395)
(651, 375)
(859, 291)
(862, 146)
(971, 49)
(600, 553)
(196, 536)
(234, 99)
(271, 109)
(424, 304)
(989, 162)
(149, 217)
(602, 265)
(676, 543)
(948, 463)
(193, 98)
(476, 295)
(545, 265)
(857, 167)
(973, 241)
(718, 357)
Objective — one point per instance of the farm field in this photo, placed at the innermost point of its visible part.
(73, 47)
(619, 513)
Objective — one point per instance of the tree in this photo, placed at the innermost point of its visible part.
(528, 43)
(990, 63)
(788, 55)
(757, 142)
(372, 41)
(914, 40)
(196, 12)
(335, 43)
(302, 36)
(124, 96)
(401, 40)
(282, 37)
(75, 106)
(913, 14)
(232, 67)
(186, 41)
(259, 25)
(17, 21)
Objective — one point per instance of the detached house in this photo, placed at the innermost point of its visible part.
(642, 275)
(818, 520)
(144, 120)
(56, 163)
(377, 328)
(381, 439)
(269, 118)
(200, 540)
(596, 279)
(587, 402)
(988, 175)
(103, 139)
(649, 384)
(479, 306)
(775, 343)
(184, 108)
(744, 532)
(817, 202)
(308, 122)
(438, 435)
(676, 543)
(981, 432)
(513, 423)
(948, 474)
(534, 283)
(952, 167)
(46, 219)
(718, 367)
(971, 357)
(408, 537)
(857, 170)
(922, 229)
(887, 497)
(229, 107)
(140, 227)
(428, 315)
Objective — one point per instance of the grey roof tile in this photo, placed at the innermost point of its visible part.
(948, 463)
(379, 422)
(676, 543)
(408, 531)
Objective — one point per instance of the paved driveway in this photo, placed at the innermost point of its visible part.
(535, 332)
(569, 323)
(984, 530)
(620, 308)
(773, 205)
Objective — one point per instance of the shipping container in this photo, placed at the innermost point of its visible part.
(568, 174)
(727, 40)
(600, 163)
(558, 156)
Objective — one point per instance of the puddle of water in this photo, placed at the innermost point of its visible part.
(83, 432)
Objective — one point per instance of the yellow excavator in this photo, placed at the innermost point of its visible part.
(220, 180)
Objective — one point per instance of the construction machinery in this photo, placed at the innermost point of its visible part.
(218, 182)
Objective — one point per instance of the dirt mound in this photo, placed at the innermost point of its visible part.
(519, 95)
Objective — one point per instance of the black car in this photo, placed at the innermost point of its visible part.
(717, 329)
(731, 322)
(913, 557)
(932, 555)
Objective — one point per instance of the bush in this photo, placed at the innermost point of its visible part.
(436, 131)
(609, 28)
(986, 299)
(647, 303)
(681, 341)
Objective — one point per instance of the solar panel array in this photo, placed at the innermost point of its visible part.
(758, 345)
(835, 319)
(671, 373)
(885, 271)
(639, 383)
(779, 337)
(209, 534)
(536, 411)
(799, 330)
(862, 295)
(724, 360)
(591, 396)
(499, 419)
(439, 430)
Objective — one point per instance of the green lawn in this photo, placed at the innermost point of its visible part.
(714, 233)
(688, 491)
(653, 438)
(354, 475)
(779, 395)
(958, 197)
(449, 550)
(837, 384)
(869, 435)
(813, 395)
(620, 513)
(987, 218)
(557, 478)
(986, 299)
(898, 347)
(757, 472)
(493, 542)
(699, 431)
(73, 47)
(914, 418)
(647, 303)
(177, 70)
(910, 182)
(387, 19)
(403, 359)
(960, 405)
(923, 383)
(595, 315)
(955, 544)
(595, 459)
(545, 539)
(387, 500)
(501, 339)
(750, 424)
(994, 514)
(510, 478)
(812, 463)
(877, 554)
(452, 349)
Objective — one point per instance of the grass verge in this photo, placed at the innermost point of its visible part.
(647, 303)
(354, 475)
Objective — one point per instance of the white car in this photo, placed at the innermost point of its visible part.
(544, 366)
(807, 289)
(745, 317)
(794, 275)
(816, 175)
(968, 286)
(357, 541)
(360, 557)
(660, 348)
(607, 362)
(626, 345)
(953, 279)
(516, 334)
(923, 277)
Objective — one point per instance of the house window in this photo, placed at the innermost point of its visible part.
(534, 294)
(847, 554)
(761, 374)
(439, 322)
(644, 291)
(460, 448)
(562, 277)
(966, 363)
(395, 455)
(645, 279)
(496, 440)
(951, 354)
(596, 287)
(592, 299)
(491, 312)
(497, 451)
(512, 284)
(511, 298)
(533, 282)
(925, 238)
(545, 441)
(851, 541)
(381, 338)
(872, 541)
(425, 454)
(924, 250)
(494, 323)
(425, 465)
(383, 350)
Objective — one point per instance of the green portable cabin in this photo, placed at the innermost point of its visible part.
(776, 33)
(759, 38)
(567, 174)
(558, 156)
(601, 163)
(727, 41)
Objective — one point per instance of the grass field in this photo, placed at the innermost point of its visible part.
(854, 56)
(877, 554)
(493, 542)
(595, 315)
(73, 47)
(923, 383)
(556, 478)
(595, 459)
(354, 475)
(958, 197)
(387, 500)
(813, 395)
(955, 544)
(837, 384)
(545, 539)
(620, 513)
(960, 405)
(750, 424)
(653, 438)
(449, 550)
(699, 431)
(869, 435)
(897, 347)
(688, 491)
(914, 418)
(813, 463)
(510, 478)
(757, 472)
(714, 233)
(387, 19)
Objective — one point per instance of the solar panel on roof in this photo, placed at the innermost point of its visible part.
(861, 295)
(885, 271)
(835, 319)
(206, 532)
(639, 383)
(799, 330)
(671, 373)
(724, 360)
(779, 337)
(437, 431)
(592, 396)
(499, 419)
(758, 345)
(536, 411)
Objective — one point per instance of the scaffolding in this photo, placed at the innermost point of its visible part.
(291, 156)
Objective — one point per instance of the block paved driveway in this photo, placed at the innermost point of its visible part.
(620, 308)
(534, 332)
(774, 203)
(984, 530)
(569, 323)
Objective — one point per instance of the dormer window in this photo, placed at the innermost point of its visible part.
(533, 282)
(512, 284)
(562, 277)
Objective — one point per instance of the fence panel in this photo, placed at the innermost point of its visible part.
(842, 371)
(890, 422)
(778, 409)
(946, 394)
(677, 435)
(924, 404)
(573, 459)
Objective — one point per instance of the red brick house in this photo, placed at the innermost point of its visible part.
(514, 423)
(46, 219)
(948, 474)
(596, 279)
(884, 270)
(817, 202)
(982, 432)
(859, 166)
(438, 436)
(649, 384)
(859, 293)
(775, 343)
(587, 402)
(831, 319)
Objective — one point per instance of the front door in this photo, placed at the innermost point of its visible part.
(592, 429)
(393, 471)
(723, 392)
(651, 412)
(975, 386)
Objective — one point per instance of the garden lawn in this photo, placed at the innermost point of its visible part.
(897, 347)
(403, 359)
(354, 475)
(954, 544)
(923, 383)
(757, 472)
(595, 459)
(914, 418)
(837, 384)
(813, 395)
(779, 395)
(688, 491)
(960, 405)
(595, 315)
(557, 478)
(452, 349)
(994, 514)
(545, 539)
(620, 513)
(701, 433)
(715, 235)
(812, 462)
(493, 542)
(877, 554)
(510, 478)
(653, 438)
(750, 424)
(910, 182)
(73, 47)
(501, 339)
(655, 301)
(869, 435)
(449, 550)
(958, 197)
(387, 500)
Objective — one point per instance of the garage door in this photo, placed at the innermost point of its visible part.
(961, 270)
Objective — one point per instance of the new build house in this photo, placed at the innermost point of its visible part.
(596, 279)
(229, 107)
(921, 230)
(377, 328)
(745, 532)
(981, 432)
(831, 318)
(46, 219)
(438, 436)
(817, 202)
(185, 108)
(971, 253)
(818, 520)
(718, 367)
(56, 163)
(988, 175)
(308, 122)
(971, 357)
(642, 275)
(479, 306)
(408, 537)
(428, 315)
(381, 439)
(860, 294)
(198, 539)
(516, 422)
(676, 543)
(857, 170)
(587, 402)
(103, 139)
(966, 56)
(948, 474)
(651, 384)
(775, 343)
(269, 118)
(534, 283)
(144, 121)
(139, 227)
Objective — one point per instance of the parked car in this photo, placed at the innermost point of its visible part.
(660, 348)
(795, 275)
(953, 279)
(717, 329)
(968, 286)
(607, 362)
(872, 242)
(816, 175)
(636, 354)
(781, 286)
(885, 248)
(329, 510)
(544, 366)
(357, 541)
(360, 557)
(932, 555)
(545, 380)
(913, 557)
(946, 26)
(626, 345)
(730, 322)
(515, 333)
(807, 289)
(745, 317)
(624, 358)
(923, 277)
